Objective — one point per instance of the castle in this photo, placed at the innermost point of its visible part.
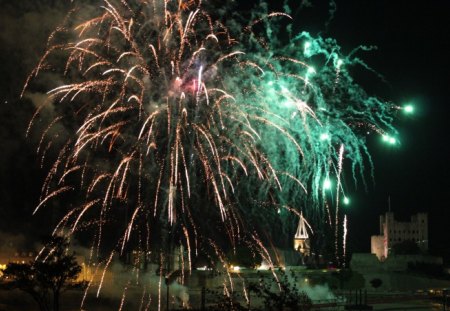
(393, 232)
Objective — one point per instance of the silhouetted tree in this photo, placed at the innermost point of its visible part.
(281, 294)
(344, 276)
(23, 277)
(376, 283)
(244, 257)
(45, 278)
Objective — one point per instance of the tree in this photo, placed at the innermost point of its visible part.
(244, 257)
(22, 276)
(344, 276)
(50, 274)
(281, 294)
(376, 283)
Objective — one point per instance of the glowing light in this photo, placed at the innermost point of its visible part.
(339, 63)
(327, 184)
(311, 70)
(408, 109)
(346, 201)
(264, 266)
(389, 139)
(287, 103)
(307, 49)
(2, 267)
(204, 268)
(324, 136)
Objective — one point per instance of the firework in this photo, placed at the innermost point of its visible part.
(176, 118)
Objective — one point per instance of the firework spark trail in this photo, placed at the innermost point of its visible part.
(122, 301)
(176, 117)
(344, 239)
(102, 278)
(338, 191)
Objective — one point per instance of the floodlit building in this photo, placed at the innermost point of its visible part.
(16, 257)
(393, 232)
(301, 238)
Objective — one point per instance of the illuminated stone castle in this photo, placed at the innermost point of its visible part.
(393, 232)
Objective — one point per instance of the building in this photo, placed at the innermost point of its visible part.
(29, 256)
(16, 257)
(393, 232)
(301, 238)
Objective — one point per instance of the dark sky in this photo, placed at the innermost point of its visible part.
(413, 40)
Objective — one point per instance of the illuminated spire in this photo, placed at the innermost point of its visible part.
(301, 229)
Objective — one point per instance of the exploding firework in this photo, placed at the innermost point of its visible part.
(187, 132)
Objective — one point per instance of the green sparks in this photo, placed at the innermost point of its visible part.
(327, 184)
(389, 139)
(233, 112)
(408, 109)
(324, 136)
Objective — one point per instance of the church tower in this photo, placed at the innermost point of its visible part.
(301, 239)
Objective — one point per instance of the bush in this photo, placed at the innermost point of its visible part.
(282, 294)
(376, 283)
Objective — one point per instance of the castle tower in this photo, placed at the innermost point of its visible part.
(301, 239)
(393, 232)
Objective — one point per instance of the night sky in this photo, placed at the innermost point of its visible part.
(413, 40)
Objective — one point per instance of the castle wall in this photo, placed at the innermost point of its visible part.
(394, 263)
(377, 246)
(393, 232)
(393, 271)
